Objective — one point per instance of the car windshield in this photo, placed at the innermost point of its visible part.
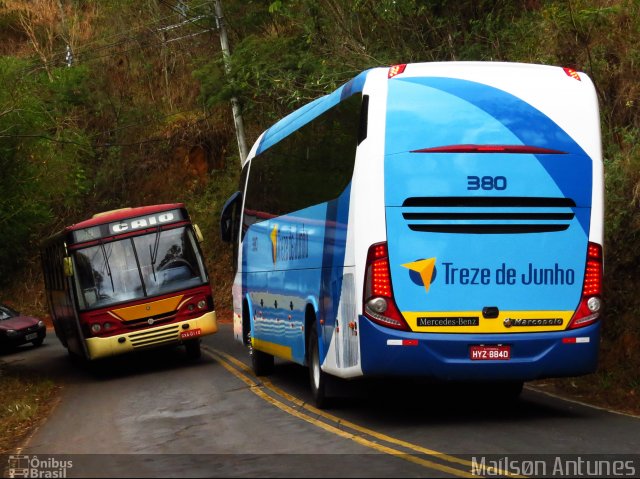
(137, 267)
(7, 313)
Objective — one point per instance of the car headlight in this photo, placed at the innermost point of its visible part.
(12, 333)
(41, 324)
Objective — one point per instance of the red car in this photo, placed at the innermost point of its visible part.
(16, 329)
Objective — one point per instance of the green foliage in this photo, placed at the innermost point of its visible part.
(41, 157)
(71, 87)
(622, 228)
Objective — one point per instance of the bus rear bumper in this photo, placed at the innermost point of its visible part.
(163, 335)
(389, 352)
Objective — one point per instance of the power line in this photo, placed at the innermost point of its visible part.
(86, 59)
(140, 28)
(183, 14)
(130, 40)
(125, 37)
(150, 45)
(124, 41)
(96, 135)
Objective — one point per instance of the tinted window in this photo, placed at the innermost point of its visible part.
(7, 313)
(312, 165)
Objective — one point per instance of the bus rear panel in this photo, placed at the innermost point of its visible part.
(493, 260)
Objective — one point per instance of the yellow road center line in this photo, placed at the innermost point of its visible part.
(364, 430)
(255, 388)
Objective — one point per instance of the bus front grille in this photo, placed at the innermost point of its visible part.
(165, 335)
(488, 215)
(157, 319)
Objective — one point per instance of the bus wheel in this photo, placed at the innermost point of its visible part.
(511, 390)
(75, 358)
(193, 349)
(317, 377)
(262, 363)
(505, 392)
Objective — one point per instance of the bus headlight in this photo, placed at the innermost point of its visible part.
(95, 328)
(201, 304)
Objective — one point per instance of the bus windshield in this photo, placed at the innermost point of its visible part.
(137, 267)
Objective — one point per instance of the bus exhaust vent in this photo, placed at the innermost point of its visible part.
(488, 215)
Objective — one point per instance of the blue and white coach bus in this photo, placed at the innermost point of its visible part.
(438, 219)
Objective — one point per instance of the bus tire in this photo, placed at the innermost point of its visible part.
(504, 392)
(511, 391)
(317, 377)
(262, 363)
(75, 358)
(192, 347)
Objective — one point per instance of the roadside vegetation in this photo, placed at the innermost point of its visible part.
(25, 400)
(125, 103)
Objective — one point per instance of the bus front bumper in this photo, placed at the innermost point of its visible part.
(387, 352)
(166, 334)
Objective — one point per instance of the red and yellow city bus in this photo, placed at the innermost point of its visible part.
(127, 280)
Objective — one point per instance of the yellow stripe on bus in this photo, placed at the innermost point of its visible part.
(152, 308)
(506, 322)
(274, 349)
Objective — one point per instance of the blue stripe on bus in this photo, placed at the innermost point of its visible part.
(529, 125)
(355, 85)
(446, 356)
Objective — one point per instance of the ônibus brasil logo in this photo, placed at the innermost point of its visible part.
(422, 272)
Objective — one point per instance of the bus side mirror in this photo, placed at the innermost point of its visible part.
(199, 235)
(228, 216)
(67, 266)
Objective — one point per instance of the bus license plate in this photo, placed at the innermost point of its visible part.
(190, 333)
(490, 353)
(31, 337)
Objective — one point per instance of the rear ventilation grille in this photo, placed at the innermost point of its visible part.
(488, 215)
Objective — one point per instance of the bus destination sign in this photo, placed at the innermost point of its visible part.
(127, 225)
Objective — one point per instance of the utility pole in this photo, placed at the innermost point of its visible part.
(235, 105)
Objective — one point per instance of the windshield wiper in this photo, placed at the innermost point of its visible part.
(154, 254)
(139, 266)
(106, 263)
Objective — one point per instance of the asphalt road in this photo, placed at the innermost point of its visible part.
(158, 414)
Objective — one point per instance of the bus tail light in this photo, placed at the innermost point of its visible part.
(396, 70)
(379, 305)
(572, 73)
(591, 301)
(473, 148)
